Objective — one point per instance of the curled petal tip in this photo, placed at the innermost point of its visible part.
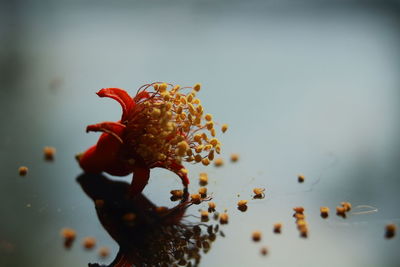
(113, 128)
(120, 95)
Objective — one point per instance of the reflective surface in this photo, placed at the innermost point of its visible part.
(306, 88)
(147, 235)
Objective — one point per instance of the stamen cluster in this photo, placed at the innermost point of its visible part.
(172, 126)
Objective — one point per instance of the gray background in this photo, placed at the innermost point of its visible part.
(307, 87)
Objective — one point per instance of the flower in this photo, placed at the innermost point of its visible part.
(160, 127)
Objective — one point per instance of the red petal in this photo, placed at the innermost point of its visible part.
(115, 129)
(103, 155)
(89, 162)
(121, 96)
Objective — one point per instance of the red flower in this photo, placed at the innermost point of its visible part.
(158, 128)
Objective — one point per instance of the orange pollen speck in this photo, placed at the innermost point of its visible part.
(49, 153)
(223, 218)
(256, 236)
(23, 170)
(89, 242)
(104, 252)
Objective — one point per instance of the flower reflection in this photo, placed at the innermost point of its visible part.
(147, 235)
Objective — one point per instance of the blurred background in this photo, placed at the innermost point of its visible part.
(309, 87)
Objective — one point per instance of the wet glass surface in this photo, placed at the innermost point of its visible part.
(306, 88)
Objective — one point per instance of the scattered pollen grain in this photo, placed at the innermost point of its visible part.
(324, 212)
(89, 242)
(223, 218)
(218, 162)
(256, 236)
(277, 228)
(390, 230)
(104, 252)
(23, 171)
(234, 157)
(49, 153)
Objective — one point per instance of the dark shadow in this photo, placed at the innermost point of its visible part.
(146, 234)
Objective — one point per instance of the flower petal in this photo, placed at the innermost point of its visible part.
(121, 96)
(115, 129)
(103, 155)
(89, 161)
